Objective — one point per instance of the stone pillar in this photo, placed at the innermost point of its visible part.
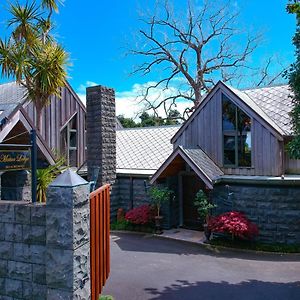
(101, 134)
(68, 238)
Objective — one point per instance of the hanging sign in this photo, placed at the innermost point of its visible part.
(14, 160)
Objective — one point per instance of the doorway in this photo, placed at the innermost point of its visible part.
(191, 184)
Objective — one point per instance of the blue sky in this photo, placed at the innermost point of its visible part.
(97, 34)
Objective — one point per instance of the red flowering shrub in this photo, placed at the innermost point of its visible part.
(140, 215)
(234, 223)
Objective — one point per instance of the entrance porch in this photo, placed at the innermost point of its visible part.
(186, 171)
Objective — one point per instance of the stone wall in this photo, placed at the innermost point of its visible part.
(16, 185)
(22, 250)
(101, 134)
(275, 209)
(131, 192)
(44, 248)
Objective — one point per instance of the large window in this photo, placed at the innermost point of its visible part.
(236, 135)
(68, 142)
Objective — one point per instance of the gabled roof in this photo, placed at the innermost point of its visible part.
(21, 116)
(200, 163)
(276, 102)
(11, 95)
(271, 104)
(143, 150)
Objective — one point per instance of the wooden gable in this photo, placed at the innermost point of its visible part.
(204, 130)
(55, 117)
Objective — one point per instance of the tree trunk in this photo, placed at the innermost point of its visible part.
(39, 118)
(197, 98)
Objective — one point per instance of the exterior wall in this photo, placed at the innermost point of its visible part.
(16, 185)
(130, 192)
(22, 251)
(275, 209)
(101, 134)
(205, 131)
(56, 115)
(44, 248)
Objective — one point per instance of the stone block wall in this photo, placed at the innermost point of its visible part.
(44, 248)
(22, 250)
(130, 192)
(275, 209)
(16, 185)
(101, 134)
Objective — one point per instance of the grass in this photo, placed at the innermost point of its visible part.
(256, 246)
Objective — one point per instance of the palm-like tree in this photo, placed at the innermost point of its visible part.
(32, 56)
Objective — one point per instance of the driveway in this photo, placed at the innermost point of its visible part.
(146, 267)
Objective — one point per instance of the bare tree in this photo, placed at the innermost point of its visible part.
(192, 51)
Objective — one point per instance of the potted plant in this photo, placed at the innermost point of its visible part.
(159, 196)
(203, 209)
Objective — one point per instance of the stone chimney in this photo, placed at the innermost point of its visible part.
(101, 134)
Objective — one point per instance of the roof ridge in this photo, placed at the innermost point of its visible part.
(149, 127)
(263, 87)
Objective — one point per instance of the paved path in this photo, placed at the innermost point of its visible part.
(146, 267)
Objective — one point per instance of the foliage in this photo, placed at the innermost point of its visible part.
(293, 76)
(254, 245)
(234, 223)
(127, 226)
(203, 205)
(46, 176)
(106, 297)
(140, 215)
(120, 225)
(159, 196)
(148, 120)
(31, 55)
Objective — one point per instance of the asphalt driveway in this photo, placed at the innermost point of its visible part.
(145, 267)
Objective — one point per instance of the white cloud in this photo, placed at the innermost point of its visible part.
(129, 104)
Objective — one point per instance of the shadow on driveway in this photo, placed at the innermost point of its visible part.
(249, 290)
(148, 243)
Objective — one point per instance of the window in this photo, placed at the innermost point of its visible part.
(68, 142)
(236, 135)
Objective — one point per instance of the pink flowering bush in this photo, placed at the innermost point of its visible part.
(234, 223)
(140, 215)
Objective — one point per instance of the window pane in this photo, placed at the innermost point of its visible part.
(73, 138)
(229, 150)
(63, 141)
(244, 121)
(244, 140)
(244, 149)
(229, 114)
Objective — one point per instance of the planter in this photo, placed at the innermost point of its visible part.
(207, 232)
(158, 223)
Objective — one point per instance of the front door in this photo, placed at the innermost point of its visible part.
(191, 184)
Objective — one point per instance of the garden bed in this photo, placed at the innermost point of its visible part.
(127, 226)
(254, 246)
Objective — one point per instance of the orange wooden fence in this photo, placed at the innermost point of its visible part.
(100, 251)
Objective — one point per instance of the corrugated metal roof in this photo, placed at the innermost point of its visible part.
(276, 102)
(144, 148)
